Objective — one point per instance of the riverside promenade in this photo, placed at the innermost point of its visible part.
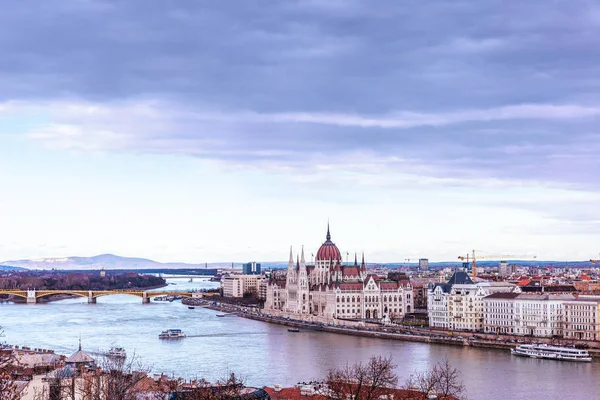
(395, 332)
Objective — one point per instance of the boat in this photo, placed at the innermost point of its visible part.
(191, 307)
(220, 315)
(116, 352)
(172, 334)
(293, 330)
(551, 352)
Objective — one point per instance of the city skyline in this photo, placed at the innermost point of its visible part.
(212, 132)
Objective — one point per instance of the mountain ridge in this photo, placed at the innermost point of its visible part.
(111, 261)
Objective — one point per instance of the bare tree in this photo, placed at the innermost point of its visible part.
(360, 381)
(8, 364)
(441, 380)
(117, 379)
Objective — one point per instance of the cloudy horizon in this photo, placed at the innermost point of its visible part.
(213, 131)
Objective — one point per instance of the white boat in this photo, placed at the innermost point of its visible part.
(172, 334)
(551, 352)
(116, 352)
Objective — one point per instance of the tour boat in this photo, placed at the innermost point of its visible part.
(191, 307)
(293, 330)
(551, 352)
(116, 352)
(171, 334)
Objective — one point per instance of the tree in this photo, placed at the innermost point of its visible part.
(360, 381)
(118, 379)
(441, 380)
(8, 364)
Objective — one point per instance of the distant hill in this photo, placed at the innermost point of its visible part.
(9, 268)
(113, 262)
(106, 261)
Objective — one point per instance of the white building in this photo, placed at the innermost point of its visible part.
(238, 285)
(582, 318)
(458, 304)
(527, 314)
(330, 289)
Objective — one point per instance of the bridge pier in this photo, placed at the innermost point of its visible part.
(145, 298)
(91, 298)
(31, 299)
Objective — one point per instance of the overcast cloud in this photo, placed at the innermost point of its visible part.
(377, 93)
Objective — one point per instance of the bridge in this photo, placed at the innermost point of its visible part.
(33, 295)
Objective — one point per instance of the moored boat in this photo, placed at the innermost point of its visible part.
(191, 307)
(116, 352)
(171, 334)
(551, 352)
(293, 330)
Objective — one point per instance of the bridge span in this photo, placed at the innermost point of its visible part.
(33, 295)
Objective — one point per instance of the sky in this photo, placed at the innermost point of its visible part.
(212, 131)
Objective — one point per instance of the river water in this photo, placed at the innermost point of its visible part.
(267, 354)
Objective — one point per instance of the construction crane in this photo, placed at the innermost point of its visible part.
(487, 257)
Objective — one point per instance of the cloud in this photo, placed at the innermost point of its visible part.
(441, 92)
(551, 144)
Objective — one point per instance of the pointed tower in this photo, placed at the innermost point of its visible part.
(303, 295)
(355, 260)
(291, 273)
(363, 268)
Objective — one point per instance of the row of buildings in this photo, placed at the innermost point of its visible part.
(502, 307)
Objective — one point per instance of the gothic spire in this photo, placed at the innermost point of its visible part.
(291, 256)
(355, 261)
(328, 237)
(302, 256)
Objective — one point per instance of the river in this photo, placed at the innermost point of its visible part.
(267, 354)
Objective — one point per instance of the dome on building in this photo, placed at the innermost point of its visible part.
(328, 250)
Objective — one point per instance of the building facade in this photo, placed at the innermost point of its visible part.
(330, 289)
(458, 304)
(582, 318)
(423, 264)
(239, 285)
(527, 314)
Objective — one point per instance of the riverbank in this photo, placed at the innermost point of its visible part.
(393, 332)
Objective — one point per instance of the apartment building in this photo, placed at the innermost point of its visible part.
(238, 285)
(582, 318)
(458, 304)
(526, 314)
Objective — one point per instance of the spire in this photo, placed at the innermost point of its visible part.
(79, 343)
(355, 261)
(297, 262)
(328, 237)
(302, 256)
(291, 256)
(363, 267)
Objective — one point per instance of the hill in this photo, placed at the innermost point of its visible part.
(106, 261)
(9, 268)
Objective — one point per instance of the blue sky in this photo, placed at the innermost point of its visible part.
(213, 131)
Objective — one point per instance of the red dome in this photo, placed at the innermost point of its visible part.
(328, 250)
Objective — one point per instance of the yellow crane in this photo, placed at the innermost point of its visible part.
(474, 259)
